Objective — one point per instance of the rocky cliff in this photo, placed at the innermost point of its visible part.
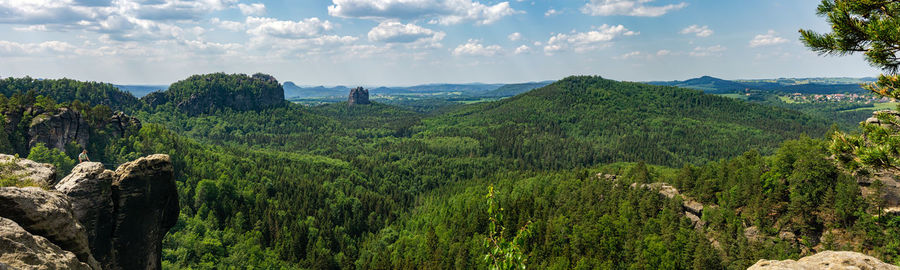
(358, 96)
(93, 219)
(826, 260)
(58, 127)
(204, 94)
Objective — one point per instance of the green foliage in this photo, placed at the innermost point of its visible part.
(381, 187)
(63, 163)
(68, 90)
(584, 121)
(503, 253)
(204, 94)
(868, 27)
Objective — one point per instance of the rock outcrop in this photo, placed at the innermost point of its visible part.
(57, 130)
(89, 188)
(204, 94)
(827, 260)
(104, 219)
(358, 96)
(119, 124)
(147, 207)
(19, 249)
(41, 174)
(48, 214)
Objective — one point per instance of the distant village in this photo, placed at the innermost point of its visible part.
(821, 98)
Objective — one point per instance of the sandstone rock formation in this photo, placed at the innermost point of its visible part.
(147, 207)
(118, 217)
(57, 130)
(48, 214)
(202, 94)
(827, 260)
(89, 188)
(20, 249)
(37, 173)
(358, 96)
(120, 122)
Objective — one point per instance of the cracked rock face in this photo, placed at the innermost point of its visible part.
(102, 219)
(57, 130)
(358, 96)
(827, 260)
(147, 203)
(19, 249)
(89, 188)
(38, 173)
(48, 214)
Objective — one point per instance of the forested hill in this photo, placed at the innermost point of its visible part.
(68, 90)
(204, 94)
(581, 121)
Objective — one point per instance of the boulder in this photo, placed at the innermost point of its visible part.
(146, 203)
(41, 174)
(89, 188)
(827, 260)
(57, 130)
(19, 249)
(48, 214)
(358, 96)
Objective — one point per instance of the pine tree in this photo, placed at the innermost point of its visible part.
(871, 27)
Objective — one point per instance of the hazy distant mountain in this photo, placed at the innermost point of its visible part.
(712, 85)
(292, 90)
(707, 84)
(140, 90)
(515, 89)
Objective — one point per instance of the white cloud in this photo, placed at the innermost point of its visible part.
(435, 11)
(586, 41)
(708, 51)
(523, 49)
(628, 8)
(306, 28)
(228, 25)
(411, 34)
(257, 9)
(700, 31)
(768, 39)
(474, 48)
(551, 12)
(8, 48)
(634, 54)
(663, 52)
(514, 36)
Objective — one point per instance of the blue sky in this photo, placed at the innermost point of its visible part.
(404, 42)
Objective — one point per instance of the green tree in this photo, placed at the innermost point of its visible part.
(41, 153)
(862, 26)
(869, 27)
(503, 253)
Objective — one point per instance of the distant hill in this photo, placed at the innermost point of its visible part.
(712, 85)
(583, 121)
(291, 90)
(68, 90)
(707, 84)
(464, 89)
(515, 89)
(140, 91)
(203, 94)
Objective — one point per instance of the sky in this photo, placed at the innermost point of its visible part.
(406, 42)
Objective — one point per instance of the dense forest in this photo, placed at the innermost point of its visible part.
(384, 187)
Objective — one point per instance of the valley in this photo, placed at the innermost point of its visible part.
(280, 184)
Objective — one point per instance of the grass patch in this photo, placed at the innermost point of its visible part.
(877, 107)
(734, 96)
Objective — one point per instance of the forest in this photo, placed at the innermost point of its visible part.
(385, 187)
